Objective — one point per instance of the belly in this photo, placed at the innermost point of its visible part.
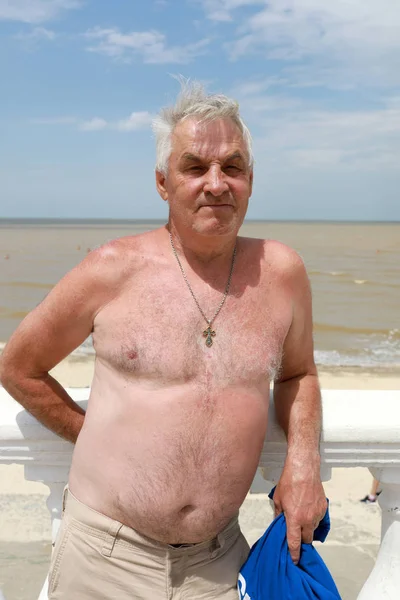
(175, 466)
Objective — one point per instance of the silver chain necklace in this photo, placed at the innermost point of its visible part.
(207, 333)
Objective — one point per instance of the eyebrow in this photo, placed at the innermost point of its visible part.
(234, 156)
(188, 156)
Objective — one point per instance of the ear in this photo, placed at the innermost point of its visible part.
(161, 185)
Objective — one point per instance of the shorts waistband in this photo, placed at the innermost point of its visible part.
(113, 529)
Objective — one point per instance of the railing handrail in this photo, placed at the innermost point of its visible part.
(356, 431)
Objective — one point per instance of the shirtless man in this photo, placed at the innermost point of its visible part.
(190, 325)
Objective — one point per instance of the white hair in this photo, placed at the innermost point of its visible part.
(193, 101)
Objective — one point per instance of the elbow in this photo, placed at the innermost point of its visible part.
(2, 372)
(5, 374)
(9, 375)
(14, 371)
(310, 373)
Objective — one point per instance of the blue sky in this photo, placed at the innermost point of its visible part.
(318, 83)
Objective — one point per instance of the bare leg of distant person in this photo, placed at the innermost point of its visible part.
(374, 493)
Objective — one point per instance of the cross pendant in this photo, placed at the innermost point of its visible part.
(209, 334)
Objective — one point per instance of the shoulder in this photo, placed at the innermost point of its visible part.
(102, 275)
(277, 257)
(119, 258)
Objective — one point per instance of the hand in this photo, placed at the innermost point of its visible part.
(300, 495)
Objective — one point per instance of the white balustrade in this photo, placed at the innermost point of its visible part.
(360, 428)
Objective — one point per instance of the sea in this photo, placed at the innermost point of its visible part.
(354, 269)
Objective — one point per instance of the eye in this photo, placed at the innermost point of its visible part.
(232, 169)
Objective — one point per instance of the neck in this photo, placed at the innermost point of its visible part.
(202, 249)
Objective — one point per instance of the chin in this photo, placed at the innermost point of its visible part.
(216, 227)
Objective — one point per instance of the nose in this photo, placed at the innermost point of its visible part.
(215, 183)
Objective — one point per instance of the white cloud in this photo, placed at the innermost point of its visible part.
(334, 44)
(309, 138)
(150, 45)
(95, 124)
(34, 11)
(304, 27)
(37, 34)
(291, 132)
(257, 96)
(258, 85)
(221, 10)
(136, 120)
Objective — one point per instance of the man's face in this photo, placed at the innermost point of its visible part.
(209, 181)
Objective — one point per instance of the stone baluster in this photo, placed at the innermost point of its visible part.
(384, 580)
(45, 456)
(54, 505)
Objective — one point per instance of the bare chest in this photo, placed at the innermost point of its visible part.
(154, 331)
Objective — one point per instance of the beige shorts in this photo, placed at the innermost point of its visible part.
(97, 558)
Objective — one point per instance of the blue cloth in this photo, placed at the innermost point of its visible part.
(270, 574)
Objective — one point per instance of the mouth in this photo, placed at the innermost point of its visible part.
(216, 206)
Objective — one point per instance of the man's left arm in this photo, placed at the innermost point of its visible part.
(297, 398)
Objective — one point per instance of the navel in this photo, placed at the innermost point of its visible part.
(186, 510)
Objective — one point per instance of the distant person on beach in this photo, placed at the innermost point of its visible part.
(190, 323)
(373, 494)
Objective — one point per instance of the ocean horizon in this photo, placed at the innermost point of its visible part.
(118, 221)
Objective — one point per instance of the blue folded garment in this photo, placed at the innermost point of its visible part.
(270, 574)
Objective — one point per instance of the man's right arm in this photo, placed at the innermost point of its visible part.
(48, 334)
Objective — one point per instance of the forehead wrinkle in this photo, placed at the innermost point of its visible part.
(207, 140)
(190, 157)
